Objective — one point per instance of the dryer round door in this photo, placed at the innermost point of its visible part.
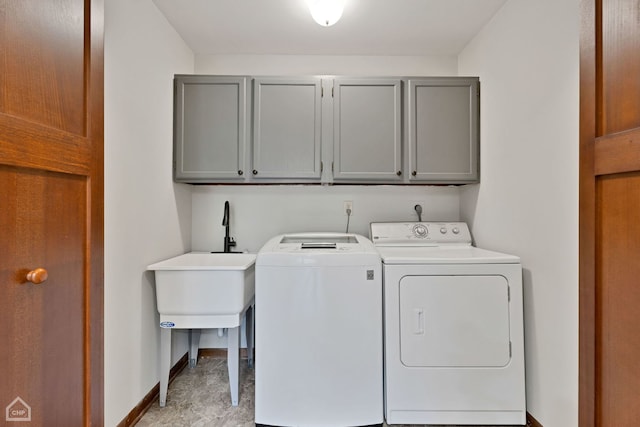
(454, 321)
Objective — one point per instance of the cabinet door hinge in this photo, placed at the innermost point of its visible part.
(331, 167)
(321, 167)
(332, 91)
(321, 92)
(508, 293)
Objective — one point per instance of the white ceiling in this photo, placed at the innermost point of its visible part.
(367, 27)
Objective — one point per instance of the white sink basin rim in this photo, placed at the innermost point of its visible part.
(206, 261)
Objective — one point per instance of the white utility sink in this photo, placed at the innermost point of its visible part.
(201, 291)
(196, 284)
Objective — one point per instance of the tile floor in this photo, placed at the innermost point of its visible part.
(199, 397)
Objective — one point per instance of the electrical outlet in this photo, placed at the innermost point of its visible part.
(348, 204)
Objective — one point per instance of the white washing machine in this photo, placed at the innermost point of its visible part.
(454, 345)
(318, 331)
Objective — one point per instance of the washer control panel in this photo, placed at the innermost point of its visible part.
(419, 233)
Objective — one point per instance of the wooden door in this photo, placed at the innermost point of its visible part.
(51, 212)
(610, 214)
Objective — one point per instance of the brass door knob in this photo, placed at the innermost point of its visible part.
(37, 276)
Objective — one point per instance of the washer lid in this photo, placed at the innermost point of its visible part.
(318, 249)
(315, 242)
(443, 255)
(318, 241)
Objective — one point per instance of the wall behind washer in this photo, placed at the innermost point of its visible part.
(258, 213)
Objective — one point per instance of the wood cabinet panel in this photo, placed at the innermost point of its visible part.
(43, 332)
(620, 66)
(42, 70)
(617, 301)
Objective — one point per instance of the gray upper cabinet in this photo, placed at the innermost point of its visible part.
(287, 128)
(402, 130)
(210, 128)
(443, 129)
(367, 130)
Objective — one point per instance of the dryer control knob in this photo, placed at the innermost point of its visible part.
(420, 231)
(443, 230)
(455, 230)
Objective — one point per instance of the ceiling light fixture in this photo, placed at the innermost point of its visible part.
(326, 12)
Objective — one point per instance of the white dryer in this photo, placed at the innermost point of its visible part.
(454, 345)
(318, 331)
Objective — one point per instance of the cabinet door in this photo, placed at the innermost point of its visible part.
(286, 128)
(443, 129)
(367, 129)
(210, 128)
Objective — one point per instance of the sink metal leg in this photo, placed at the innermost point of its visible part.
(194, 343)
(250, 328)
(233, 362)
(165, 363)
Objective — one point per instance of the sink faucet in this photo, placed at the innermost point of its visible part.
(228, 241)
